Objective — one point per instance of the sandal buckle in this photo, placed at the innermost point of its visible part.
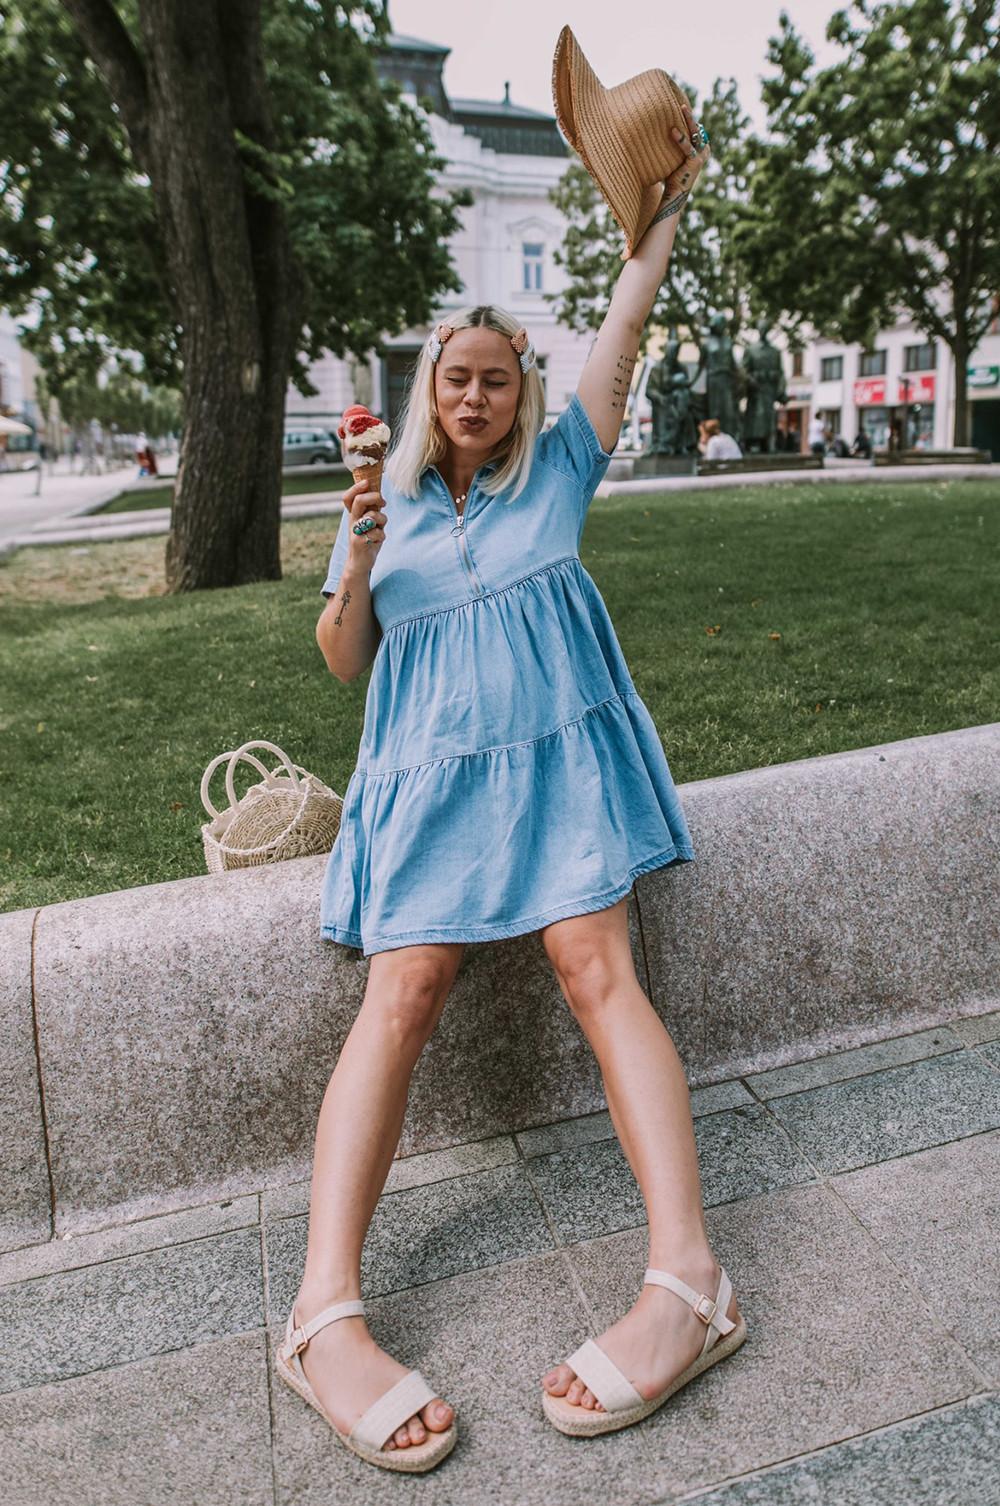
(297, 1341)
(705, 1309)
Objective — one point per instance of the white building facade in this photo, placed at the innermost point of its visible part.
(903, 380)
(510, 158)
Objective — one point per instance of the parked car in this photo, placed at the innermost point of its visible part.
(310, 447)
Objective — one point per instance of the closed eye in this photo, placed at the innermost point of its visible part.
(457, 382)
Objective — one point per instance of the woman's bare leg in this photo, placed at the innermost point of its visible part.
(356, 1139)
(649, 1103)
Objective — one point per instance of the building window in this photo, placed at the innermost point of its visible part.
(920, 357)
(798, 359)
(532, 254)
(831, 368)
(872, 363)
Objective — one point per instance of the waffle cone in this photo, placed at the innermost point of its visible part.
(371, 474)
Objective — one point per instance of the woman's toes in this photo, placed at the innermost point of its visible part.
(575, 1391)
(417, 1430)
(557, 1380)
(588, 1399)
(402, 1436)
(437, 1415)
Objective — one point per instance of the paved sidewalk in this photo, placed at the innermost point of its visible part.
(83, 528)
(853, 1198)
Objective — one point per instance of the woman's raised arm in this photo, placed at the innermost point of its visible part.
(606, 378)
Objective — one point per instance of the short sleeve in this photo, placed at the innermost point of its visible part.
(338, 558)
(572, 447)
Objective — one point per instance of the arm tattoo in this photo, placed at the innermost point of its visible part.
(674, 206)
(590, 352)
(621, 382)
(343, 603)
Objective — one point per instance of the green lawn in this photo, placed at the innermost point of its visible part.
(163, 496)
(760, 625)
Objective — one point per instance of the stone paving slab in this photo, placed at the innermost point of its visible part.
(830, 1348)
(590, 1190)
(139, 1355)
(937, 1214)
(189, 1428)
(946, 1459)
(860, 1061)
(892, 1113)
(424, 1234)
(75, 1322)
(978, 1028)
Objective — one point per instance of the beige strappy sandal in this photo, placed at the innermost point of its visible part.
(376, 1426)
(622, 1402)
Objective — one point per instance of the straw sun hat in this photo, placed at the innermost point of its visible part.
(622, 135)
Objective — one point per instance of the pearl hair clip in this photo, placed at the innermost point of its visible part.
(442, 333)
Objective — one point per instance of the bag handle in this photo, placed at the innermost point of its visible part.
(270, 776)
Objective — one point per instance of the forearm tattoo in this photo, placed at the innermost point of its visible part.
(343, 603)
(621, 383)
(673, 206)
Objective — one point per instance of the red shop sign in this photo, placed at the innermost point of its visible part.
(869, 392)
(920, 388)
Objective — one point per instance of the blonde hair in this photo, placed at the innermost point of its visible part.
(419, 440)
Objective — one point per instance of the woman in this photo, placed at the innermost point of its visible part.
(714, 444)
(509, 779)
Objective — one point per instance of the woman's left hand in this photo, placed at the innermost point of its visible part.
(683, 179)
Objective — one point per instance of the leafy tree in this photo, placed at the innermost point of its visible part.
(878, 191)
(225, 187)
(704, 274)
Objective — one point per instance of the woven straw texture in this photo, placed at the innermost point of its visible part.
(289, 815)
(622, 135)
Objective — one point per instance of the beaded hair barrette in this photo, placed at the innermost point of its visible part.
(442, 333)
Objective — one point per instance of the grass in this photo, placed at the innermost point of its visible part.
(163, 496)
(759, 625)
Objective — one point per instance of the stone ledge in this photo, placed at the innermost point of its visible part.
(187, 1030)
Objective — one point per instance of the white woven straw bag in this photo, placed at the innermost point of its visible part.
(284, 817)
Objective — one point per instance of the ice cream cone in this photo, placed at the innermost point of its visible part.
(371, 475)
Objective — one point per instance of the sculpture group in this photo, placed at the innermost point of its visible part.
(677, 408)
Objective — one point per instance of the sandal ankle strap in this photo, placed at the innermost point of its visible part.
(711, 1311)
(296, 1339)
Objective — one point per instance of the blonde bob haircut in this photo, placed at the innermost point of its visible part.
(420, 441)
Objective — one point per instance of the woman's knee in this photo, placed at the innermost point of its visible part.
(409, 986)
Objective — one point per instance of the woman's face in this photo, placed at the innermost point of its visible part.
(478, 377)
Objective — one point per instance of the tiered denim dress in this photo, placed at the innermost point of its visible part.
(508, 774)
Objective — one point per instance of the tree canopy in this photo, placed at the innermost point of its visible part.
(351, 163)
(876, 193)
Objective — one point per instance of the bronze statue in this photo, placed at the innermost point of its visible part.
(765, 386)
(721, 375)
(680, 435)
(658, 391)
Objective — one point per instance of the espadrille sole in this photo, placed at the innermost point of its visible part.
(414, 1459)
(584, 1422)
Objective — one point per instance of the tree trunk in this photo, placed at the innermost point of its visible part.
(236, 284)
(960, 355)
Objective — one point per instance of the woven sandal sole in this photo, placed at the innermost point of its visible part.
(414, 1459)
(584, 1422)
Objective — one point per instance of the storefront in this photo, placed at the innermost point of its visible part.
(984, 408)
(910, 418)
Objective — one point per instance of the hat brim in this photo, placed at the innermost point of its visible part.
(587, 119)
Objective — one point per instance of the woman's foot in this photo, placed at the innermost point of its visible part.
(657, 1339)
(348, 1371)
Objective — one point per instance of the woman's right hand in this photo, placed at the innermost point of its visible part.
(362, 548)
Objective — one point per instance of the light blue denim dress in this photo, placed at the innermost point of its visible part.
(508, 774)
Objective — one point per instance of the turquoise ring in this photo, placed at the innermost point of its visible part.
(365, 525)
